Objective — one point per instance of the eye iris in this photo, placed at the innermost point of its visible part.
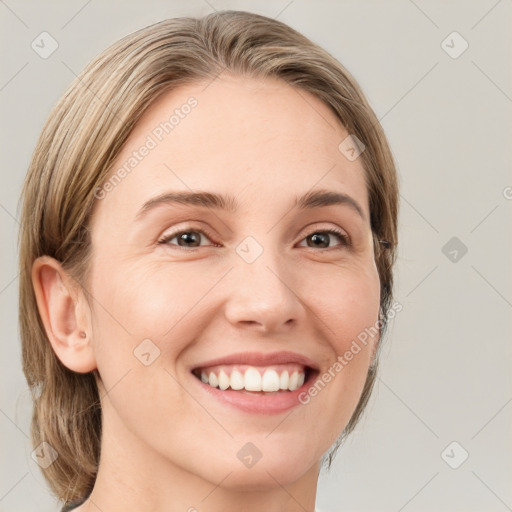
(323, 238)
(189, 236)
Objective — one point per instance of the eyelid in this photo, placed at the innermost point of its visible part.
(318, 227)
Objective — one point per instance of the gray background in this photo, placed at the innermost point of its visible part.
(446, 365)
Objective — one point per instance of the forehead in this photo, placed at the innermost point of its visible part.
(262, 141)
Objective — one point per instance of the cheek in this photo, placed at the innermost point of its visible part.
(165, 305)
(341, 302)
(346, 300)
(144, 322)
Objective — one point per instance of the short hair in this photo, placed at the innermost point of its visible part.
(82, 137)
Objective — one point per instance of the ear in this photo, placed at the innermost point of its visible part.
(65, 314)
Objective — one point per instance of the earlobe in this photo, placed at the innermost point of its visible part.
(64, 313)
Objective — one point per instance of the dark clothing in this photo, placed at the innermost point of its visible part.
(72, 505)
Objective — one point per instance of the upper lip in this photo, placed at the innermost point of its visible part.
(260, 359)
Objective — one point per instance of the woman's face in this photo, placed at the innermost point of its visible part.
(260, 277)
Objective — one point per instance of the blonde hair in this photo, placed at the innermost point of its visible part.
(81, 139)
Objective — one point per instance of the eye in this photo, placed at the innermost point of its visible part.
(191, 238)
(186, 238)
(321, 239)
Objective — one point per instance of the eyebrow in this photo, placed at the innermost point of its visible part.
(310, 200)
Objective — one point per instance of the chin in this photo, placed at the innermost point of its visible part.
(268, 472)
(261, 479)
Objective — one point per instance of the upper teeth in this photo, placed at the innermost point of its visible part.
(253, 380)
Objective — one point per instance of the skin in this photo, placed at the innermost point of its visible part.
(165, 448)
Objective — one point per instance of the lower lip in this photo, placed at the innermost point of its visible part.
(257, 403)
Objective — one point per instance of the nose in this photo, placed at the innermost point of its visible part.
(263, 294)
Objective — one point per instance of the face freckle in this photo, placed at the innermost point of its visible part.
(255, 286)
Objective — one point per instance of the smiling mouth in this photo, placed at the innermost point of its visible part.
(256, 379)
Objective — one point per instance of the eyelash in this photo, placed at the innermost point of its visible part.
(345, 239)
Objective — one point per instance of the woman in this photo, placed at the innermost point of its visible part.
(207, 239)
